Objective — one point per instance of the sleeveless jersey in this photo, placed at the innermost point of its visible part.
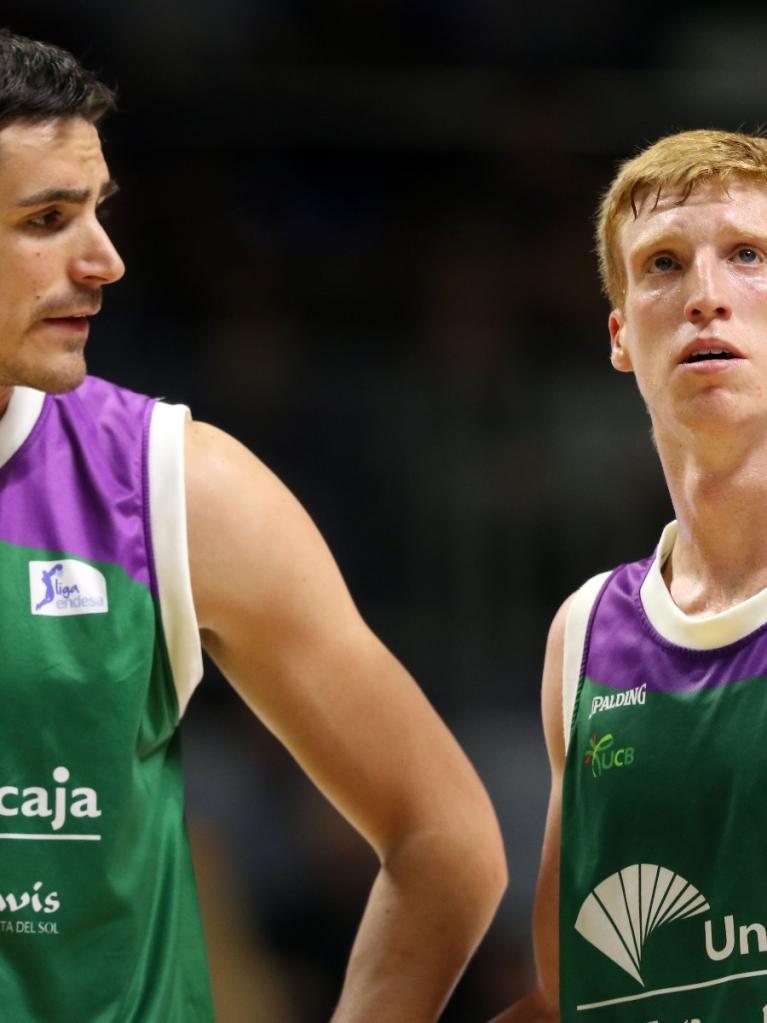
(99, 921)
(663, 889)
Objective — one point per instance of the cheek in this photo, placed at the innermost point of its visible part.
(24, 282)
(657, 302)
(653, 316)
(754, 297)
(20, 298)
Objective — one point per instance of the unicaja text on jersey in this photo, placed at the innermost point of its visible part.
(58, 804)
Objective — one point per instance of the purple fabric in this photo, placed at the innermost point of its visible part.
(623, 650)
(78, 484)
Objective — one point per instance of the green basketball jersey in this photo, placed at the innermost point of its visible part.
(99, 921)
(663, 897)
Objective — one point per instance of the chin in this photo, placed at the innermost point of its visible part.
(54, 377)
(60, 383)
(721, 413)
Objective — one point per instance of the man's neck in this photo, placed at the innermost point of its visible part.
(719, 493)
(5, 397)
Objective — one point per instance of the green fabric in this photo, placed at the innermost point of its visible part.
(109, 930)
(688, 797)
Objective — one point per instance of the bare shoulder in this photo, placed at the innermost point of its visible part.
(250, 540)
(221, 472)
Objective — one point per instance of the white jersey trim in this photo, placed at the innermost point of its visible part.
(167, 512)
(19, 420)
(696, 633)
(576, 624)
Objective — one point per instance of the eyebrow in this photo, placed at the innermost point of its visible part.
(79, 196)
(656, 240)
(670, 238)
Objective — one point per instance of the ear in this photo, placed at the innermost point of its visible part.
(619, 355)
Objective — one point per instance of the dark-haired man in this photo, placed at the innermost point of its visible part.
(121, 524)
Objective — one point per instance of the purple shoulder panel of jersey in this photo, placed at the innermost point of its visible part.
(623, 650)
(79, 483)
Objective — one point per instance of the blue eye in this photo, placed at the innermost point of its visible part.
(747, 255)
(661, 264)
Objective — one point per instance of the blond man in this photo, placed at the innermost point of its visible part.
(652, 899)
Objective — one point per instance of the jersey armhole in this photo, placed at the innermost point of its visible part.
(167, 514)
(576, 625)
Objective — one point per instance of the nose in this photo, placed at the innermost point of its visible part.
(707, 296)
(97, 262)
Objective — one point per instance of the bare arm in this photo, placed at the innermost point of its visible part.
(277, 618)
(542, 1005)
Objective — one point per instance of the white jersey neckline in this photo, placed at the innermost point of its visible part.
(19, 420)
(695, 632)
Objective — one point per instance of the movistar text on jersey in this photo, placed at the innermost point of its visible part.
(57, 803)
(625, 698)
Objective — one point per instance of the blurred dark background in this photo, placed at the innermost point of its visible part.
(359, 237)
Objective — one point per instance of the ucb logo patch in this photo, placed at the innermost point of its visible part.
(66, 587)
(602, 755)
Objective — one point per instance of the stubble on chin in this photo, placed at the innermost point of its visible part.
(58, 375)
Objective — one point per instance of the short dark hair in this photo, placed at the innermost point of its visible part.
(39, 80)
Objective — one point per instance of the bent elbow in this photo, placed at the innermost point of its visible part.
(481, 852)
(495, 866)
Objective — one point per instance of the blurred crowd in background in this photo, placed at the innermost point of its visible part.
(359, 237)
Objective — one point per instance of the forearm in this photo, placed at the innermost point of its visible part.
(426, 914)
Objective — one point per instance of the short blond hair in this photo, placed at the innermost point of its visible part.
(674, 163)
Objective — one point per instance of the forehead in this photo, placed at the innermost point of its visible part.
(709, 210)
(61, 152)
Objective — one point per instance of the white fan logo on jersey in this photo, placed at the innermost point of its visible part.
(622, 911)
